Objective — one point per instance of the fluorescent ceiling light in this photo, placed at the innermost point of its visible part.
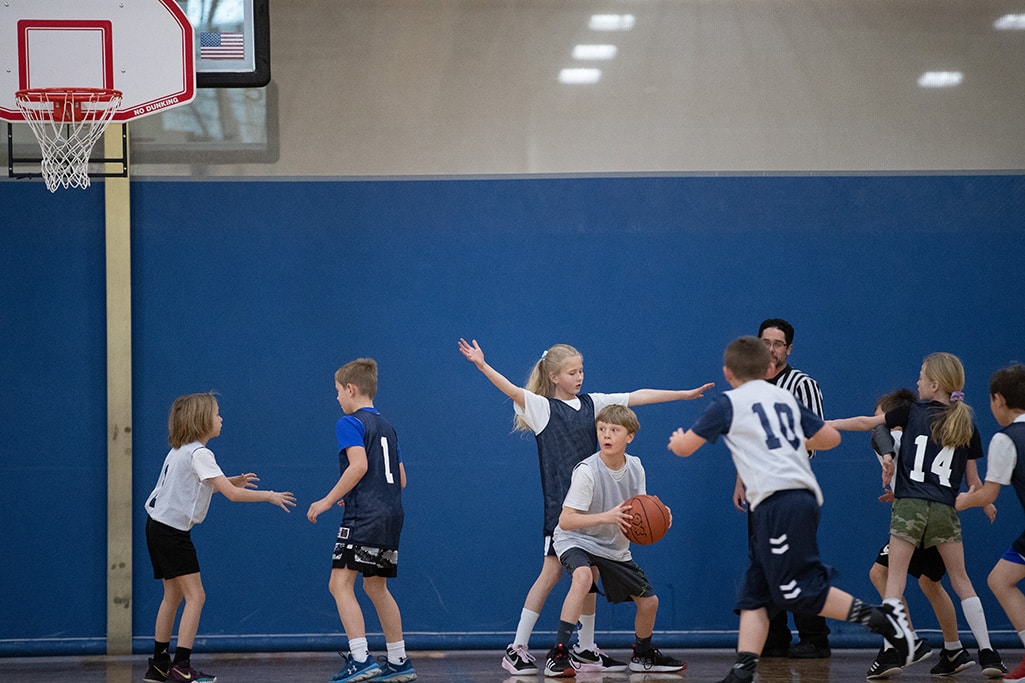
(940, 79)
(579, 75)
(1010, 22)
(594, 51)
(611, 22)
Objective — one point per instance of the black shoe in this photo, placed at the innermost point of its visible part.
(889, 621)
(653, 661)
(738, 676)
(887, 664)
(922, 651)
(992, 665)
(952, 662)
(157, 671)
(771, 652)
(809, 650)
(558, 664)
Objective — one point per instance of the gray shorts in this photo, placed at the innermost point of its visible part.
(621, 581)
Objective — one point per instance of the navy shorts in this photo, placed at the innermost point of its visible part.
(785, 572)
(170, 550)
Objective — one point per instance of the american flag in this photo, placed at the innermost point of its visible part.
(214, 45)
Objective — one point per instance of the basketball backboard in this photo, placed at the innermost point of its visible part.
(232, 42)
(143, 48)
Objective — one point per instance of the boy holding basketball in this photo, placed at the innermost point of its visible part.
(590, 541)
(370, 489)
(769, 433)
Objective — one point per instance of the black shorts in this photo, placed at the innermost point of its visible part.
(621, 581)
(170, 550)
(924, 562)
(366, 560)
(785, 571)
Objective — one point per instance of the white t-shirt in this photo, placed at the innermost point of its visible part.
(1002, 457)
(536, 411)
(183, 491)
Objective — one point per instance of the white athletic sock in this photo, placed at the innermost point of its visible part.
(525, 627)
(952, 645)
(358, 649)
(585, 636)
(396, 652)
(976, 618)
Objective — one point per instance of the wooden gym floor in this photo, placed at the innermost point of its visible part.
(477, 666)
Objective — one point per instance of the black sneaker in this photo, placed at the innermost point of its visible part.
(157, 671)
(922, 651)
(738, 676)
(557, 664)
(518, 661)
(952, 662)
(887, 663)
(654, 661)
(774, 652)
(992, 665)
(889, 621)
(808, 650)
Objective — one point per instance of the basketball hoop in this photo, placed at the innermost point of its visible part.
(67, 122)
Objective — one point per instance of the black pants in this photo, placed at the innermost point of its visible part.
(810, 628)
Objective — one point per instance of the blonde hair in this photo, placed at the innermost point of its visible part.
(539, 382)
(191, 418)
(362, 373)
(954, 425)
(618, 414)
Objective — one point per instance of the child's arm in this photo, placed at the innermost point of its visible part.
(245, 481)
(857, 424)
(978, 497)
(643, 397)
(975, 484)
(824, 439)
(683, 443)
(572, 519)
(241, 494)
(402, 475)
(350, 477)
(475, 355)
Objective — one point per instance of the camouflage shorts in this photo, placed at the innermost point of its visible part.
(924, 523)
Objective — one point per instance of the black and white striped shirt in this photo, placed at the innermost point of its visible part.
(804, 389)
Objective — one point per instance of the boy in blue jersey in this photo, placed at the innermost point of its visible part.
(1006, 466)
(590, 538)
(370, 489)
(769, 433)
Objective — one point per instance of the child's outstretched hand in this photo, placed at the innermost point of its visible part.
(691, 394)
(283, 499)
(245, 481)
(473, 353)
(317, 508)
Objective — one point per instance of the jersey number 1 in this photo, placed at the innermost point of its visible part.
(388, 476)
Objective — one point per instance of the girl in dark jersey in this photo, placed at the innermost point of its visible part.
(940, 440)
(562, 420)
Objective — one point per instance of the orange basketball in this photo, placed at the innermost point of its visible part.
(650, 519)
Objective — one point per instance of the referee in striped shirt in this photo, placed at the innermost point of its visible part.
(778, 335)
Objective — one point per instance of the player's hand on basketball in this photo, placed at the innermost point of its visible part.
(473, 352)
(691, 394)
(245, 481)
(620, 515)
(283, 499)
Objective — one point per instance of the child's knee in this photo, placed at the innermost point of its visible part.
(647, 605)
(877, 574)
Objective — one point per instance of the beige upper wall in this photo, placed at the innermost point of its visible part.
(429, 87)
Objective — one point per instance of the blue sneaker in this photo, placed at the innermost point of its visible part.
(354, 671)
(394, 673)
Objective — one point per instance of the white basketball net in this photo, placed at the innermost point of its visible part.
(67, 123)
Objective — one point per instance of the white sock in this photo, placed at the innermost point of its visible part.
(976, 618)
(525, 627)
(396, 652)
(953, 645)
(358, 649)
(585, 636)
